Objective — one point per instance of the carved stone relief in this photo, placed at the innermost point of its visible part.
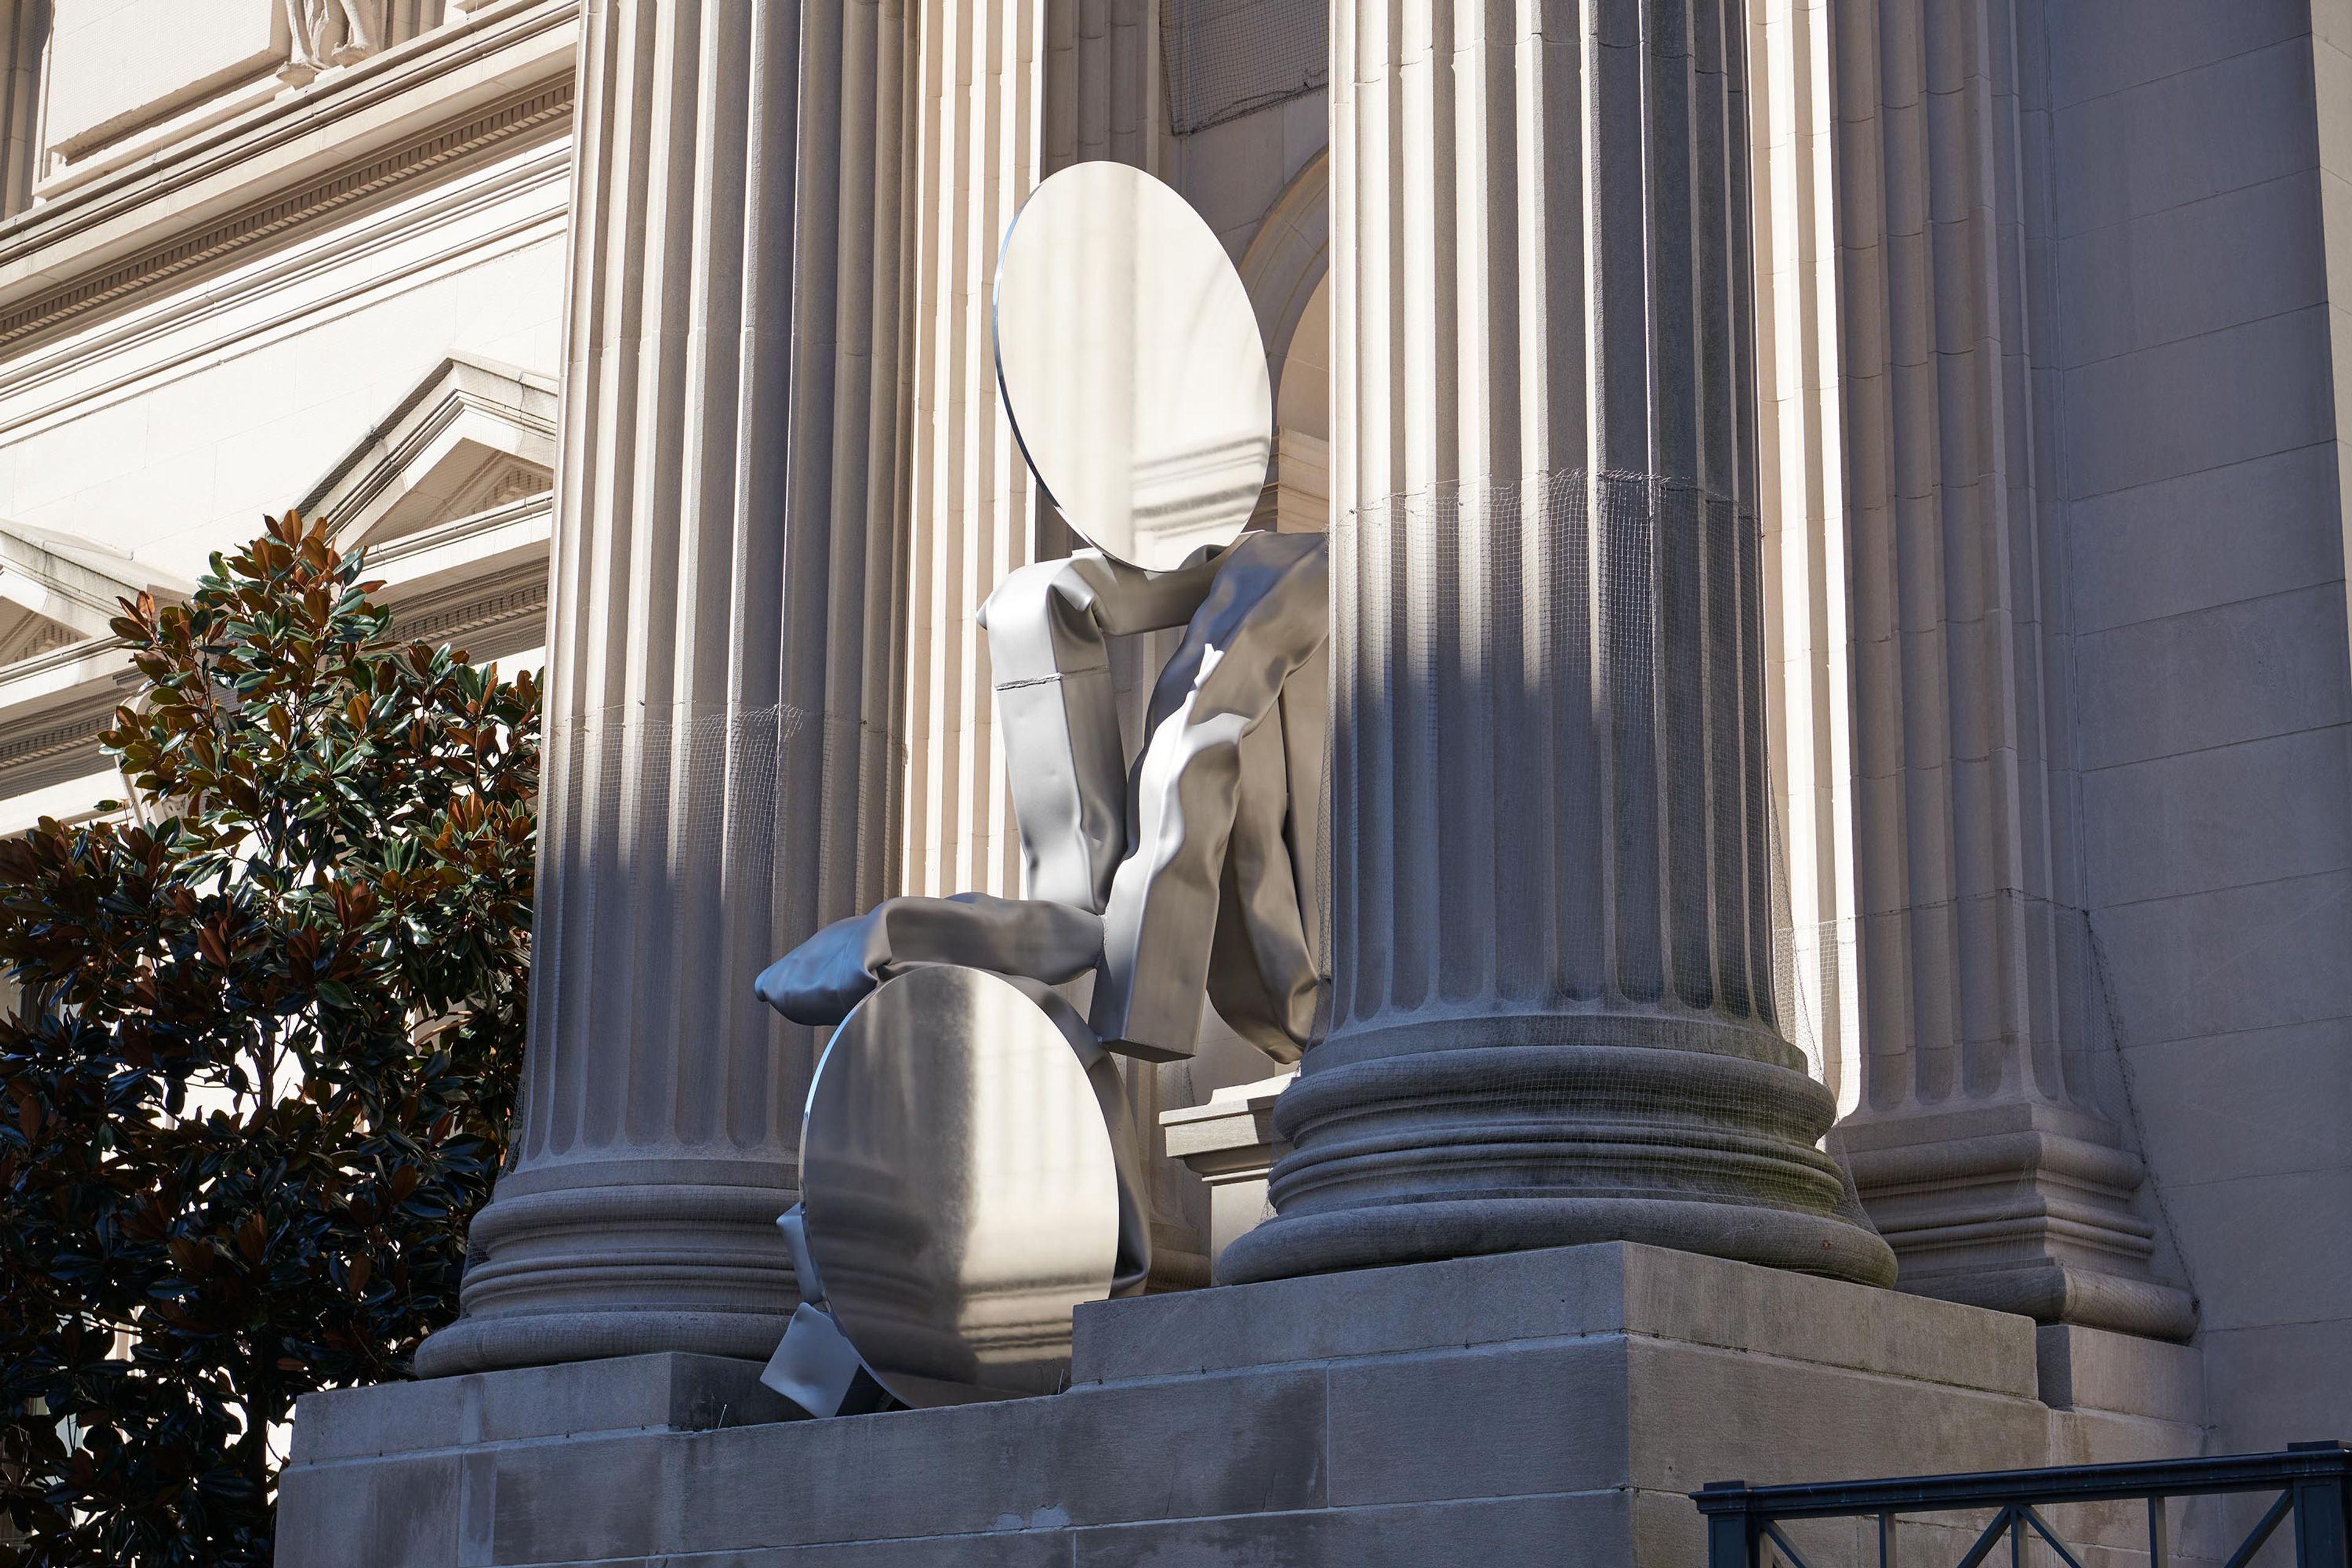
(332, 33)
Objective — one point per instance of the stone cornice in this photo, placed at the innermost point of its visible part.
(77, 733)
(514, 409)
(505, 75)
(513, 596)
(185, 251)
(64, 726)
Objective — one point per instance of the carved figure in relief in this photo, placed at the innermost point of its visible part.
(333, 33)
(967, 1173)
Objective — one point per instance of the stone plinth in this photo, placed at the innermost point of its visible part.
(1229, 1144)
(1547, 1406)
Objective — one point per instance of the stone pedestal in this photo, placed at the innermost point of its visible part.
(720, 765)
(1229, 1144)
(1549, 1406)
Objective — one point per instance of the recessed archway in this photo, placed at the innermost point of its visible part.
(1287, 270)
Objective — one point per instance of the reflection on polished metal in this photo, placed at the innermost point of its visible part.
(1210, 898)
(1131, 366)
(960, 1192)
(1205, 879)
(1049, 629)
(1210, 901)
(958, 1195)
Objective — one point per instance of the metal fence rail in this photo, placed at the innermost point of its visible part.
(2310, 1480)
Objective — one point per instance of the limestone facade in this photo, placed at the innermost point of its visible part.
(2050, 316)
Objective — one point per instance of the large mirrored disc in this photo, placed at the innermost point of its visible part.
(1131, 366)
(958, 1187)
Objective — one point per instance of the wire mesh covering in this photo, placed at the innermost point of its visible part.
(1227, 58)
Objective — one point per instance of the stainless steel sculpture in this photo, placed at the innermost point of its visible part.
(1209, 847)
(967, 1172)
(961, 1194)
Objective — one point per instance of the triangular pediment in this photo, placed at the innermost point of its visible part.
(474, 437)
(56, 590)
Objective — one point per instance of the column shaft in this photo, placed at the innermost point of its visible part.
(975, 132)
(1554, 1018)
(722, 757)
(1980, 1146)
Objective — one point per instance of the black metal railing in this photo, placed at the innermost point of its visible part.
(2310, 1480)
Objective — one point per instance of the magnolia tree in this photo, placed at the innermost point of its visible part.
(262, 1070)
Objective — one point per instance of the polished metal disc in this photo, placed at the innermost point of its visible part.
(958, 1185)
(1131, 366)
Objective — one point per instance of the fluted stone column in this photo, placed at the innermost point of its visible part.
(722, 678)
(1554, 1018)
(975, 132)
(1981, 1145)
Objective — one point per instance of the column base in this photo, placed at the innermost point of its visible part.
(545, 1339)
(2021, 1206)
(564, 1269)
(1453, 1153)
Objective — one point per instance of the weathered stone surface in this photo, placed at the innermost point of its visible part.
(1565, 1292)
(672, 1392)
(1392, 1416)
(2091, 1369)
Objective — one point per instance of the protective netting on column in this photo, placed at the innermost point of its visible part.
(1553, 821)
(1550, 770)
(1227, 58)
(694, 844)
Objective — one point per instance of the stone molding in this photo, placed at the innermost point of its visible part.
(2023, 1208)
(510, 605)
(286, 291)
(502, 73)
(483, 573)
(462, 401)
(1229, 1143)
(81, 584)
(514, 601)
(27, 760)
(518, 117)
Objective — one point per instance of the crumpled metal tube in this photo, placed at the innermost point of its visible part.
(823, 978)
(1049, 627)
(1212, 790)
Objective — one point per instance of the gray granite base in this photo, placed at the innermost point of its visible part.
(1539, 1408)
